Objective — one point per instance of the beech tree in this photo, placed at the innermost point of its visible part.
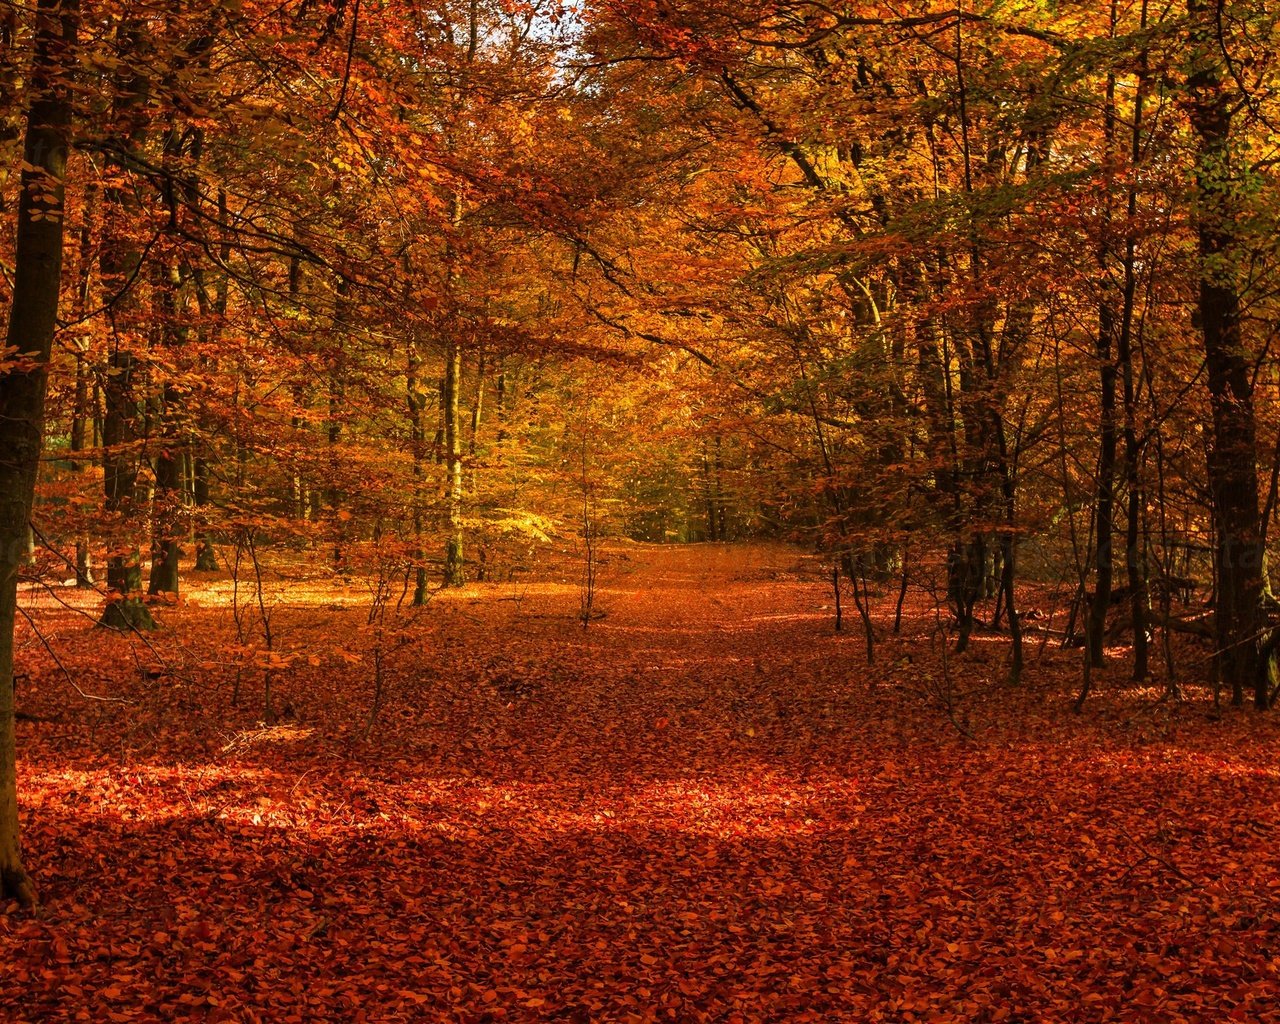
(33, 317)
(1245, 656)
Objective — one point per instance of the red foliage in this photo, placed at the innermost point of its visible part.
(702, 808)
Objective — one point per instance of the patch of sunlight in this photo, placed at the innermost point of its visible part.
(506, 591)
(294, 594)
(769, 805)
(664, 631)
(246, 739)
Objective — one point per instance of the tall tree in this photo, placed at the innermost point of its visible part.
(24, 375)
(1243, 660)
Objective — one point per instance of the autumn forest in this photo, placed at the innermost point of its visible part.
(639, 510)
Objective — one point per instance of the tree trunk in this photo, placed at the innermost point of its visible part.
(1105, 494)
(33, 319)
(125, 609)
(83, 412)
(167, 511)
(121, 266)
(206, 557)
(454, 575)
(1241, 660)
(720, 509)
(415, 401)
(709, 496)
(167, 507)
(171, 331)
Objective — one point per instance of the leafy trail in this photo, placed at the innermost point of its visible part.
(703, 808)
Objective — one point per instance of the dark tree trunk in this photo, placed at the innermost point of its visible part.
(121, 267)
(125, 609)
(1241, 659)
(167, 507)
(415, 401)
(83, 413)
(33, 318)
(206, 556)
(1104, 507)
(721, 507)
(171, 331)
(167, 510)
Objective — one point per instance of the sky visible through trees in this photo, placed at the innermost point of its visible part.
(748, 442)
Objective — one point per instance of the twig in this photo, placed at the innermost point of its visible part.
(58, 661)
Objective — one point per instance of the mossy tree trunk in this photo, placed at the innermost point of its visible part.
(1243, 661)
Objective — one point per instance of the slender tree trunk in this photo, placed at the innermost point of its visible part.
(417, 439)
(167, 511)
(1008, 552)
(200, 451)
(82, 415)
(477, 410)
(33, 318)
(1105, 494)
(171, 331)
(709, 495)
(1134, 560)
(84, 553)
(500, 401)
(121, 268)
(720, 508)
(333, 435)
(337, 407)
(454, 575)
(966, 564)
(125, 609)
(206, 557)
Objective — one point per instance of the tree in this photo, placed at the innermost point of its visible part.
(1245, 658)
(25, 370)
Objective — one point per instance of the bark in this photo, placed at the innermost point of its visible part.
(125, 609)
(500, 387)
(82, 414)
(167, 507)
(454, 574)
(32, 322)
(720, 508)
(1135, 563)
(121, 263)
(169, 302)
(206, 556)
(476, 411)
(415, 401)
(214, 310)
(337, 409)
(1105, 495)
(709, 496)
(1242, 661)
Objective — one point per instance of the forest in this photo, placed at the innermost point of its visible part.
(639, 510)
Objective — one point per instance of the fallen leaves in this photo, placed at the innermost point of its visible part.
(557, 855)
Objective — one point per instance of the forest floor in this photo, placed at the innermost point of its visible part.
(703, 807)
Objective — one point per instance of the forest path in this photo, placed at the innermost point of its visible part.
(704, 807)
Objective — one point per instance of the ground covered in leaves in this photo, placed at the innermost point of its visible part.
(704, 807)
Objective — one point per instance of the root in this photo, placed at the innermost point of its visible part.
(16, 884)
